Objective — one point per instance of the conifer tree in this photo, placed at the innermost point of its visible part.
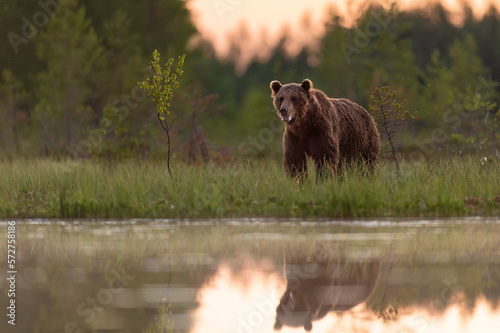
(72, 55)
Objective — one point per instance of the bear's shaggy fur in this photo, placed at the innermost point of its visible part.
(332, 131)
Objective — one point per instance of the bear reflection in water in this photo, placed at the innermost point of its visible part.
(315, 289)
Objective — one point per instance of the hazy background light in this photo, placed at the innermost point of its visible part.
(257, 25)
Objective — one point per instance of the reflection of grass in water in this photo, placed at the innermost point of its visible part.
(134, 243)
(163, 323)
(71, 189)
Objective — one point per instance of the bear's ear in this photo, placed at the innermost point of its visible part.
(275, 86)
(307, 85)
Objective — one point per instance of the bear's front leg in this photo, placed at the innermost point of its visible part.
(294, 156)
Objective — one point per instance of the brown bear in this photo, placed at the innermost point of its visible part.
(332, 131)
(314, 289)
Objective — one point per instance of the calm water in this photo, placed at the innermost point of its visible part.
(254, 276)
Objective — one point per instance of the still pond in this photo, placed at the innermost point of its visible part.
(253, 275)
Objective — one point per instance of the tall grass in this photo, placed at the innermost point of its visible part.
(134, 189)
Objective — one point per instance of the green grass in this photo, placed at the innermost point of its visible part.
(163, 323)
(135, 189)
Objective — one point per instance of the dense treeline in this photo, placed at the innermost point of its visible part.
(70, 73)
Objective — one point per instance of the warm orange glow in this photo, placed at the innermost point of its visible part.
(238, 302)
(258, 24)
(244, 301)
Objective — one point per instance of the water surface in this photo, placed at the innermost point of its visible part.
(256, 276)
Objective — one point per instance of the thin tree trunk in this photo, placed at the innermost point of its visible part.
(385, 304)
(168, 154)
(385, 123)
(394, 153)
(169, 149)
(167, 128)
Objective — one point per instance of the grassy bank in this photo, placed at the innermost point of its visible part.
(84, 189)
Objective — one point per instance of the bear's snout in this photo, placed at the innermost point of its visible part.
(285, 116)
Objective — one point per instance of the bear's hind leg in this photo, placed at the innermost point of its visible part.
(326, 160)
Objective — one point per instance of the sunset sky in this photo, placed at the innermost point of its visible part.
(265, 20)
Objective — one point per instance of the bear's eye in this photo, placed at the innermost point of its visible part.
(294, 99)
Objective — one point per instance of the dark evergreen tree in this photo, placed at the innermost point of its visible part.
(72, 55)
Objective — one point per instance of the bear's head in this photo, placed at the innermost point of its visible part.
(294, 309)
(291, 100)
